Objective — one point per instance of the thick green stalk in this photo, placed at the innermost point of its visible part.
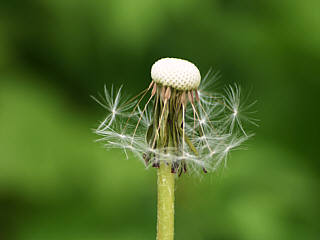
(164, 119)
(165, 222)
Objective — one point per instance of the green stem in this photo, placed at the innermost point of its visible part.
(165, 223)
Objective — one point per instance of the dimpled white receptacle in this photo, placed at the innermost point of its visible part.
(176, 73)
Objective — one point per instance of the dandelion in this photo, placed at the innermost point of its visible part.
(180, 128)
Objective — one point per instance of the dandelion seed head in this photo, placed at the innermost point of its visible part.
(181, 123)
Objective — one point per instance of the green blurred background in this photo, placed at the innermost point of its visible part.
(57, 183)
